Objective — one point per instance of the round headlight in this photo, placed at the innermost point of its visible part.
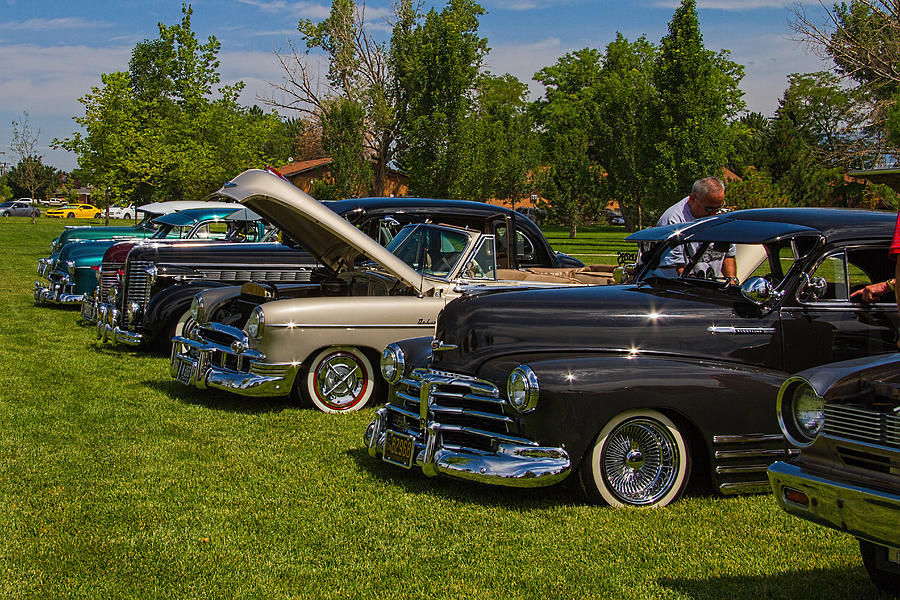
(801, 411)
(393, 363)
(197, 309)
(255, 323)
(70, 267)
(809, 411)
(522, 389)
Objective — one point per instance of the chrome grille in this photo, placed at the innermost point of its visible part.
(109, 274)
(293, 275)
(470, 411)
(137, 282)
(862, 424)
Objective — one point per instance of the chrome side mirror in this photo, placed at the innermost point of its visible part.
(811, 288)
(624, 273)
(760, 292)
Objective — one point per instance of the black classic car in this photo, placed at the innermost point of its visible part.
(845, 419)
(632, 388)
(159, 281)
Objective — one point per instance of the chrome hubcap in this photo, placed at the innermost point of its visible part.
(340, 381)
(640, 461)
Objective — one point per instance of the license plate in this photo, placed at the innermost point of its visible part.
(398, 449)
(87, 311)
(185, 370)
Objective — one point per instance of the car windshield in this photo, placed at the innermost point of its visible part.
(429, 250)
(6, 205)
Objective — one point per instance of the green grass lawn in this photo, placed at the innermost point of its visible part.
(117, 482)
(593, 244)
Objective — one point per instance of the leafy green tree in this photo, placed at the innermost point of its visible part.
(861, 37)
(436, 64)
(567, 117)
(749, 133)
(31, 178)
(343, 138)
(698, 95)
(626, 101)
(359, 72)
(502, 146)
(159, 132)
(29, 174)
(756, 190)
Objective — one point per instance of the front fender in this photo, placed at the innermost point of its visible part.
(579, 394)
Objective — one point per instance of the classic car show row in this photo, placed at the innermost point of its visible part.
(500, 361)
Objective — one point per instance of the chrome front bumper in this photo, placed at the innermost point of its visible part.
(106, 318)
(192, 363)
(56, 292)
(513, 465)
(862, 512)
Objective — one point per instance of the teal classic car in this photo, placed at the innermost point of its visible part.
(145, 229)
(72, 273)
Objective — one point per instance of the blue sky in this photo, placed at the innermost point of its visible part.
(52, 52)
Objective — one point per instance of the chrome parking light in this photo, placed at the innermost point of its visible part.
(393, 363)
(522, 389)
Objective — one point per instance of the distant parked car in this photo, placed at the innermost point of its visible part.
(532, 212)
(845, 419)
(124, 212)
(75, 211)
(19, 208)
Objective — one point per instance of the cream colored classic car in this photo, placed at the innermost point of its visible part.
(323, 345)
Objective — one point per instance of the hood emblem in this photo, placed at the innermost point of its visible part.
(439, 346)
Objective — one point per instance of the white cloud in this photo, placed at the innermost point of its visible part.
(308, 10)
(67, 23)
(524, 60)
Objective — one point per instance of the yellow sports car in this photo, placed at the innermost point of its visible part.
(75, 211)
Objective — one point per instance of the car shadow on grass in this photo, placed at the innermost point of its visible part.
(811, 584)
(415, 482)
(219, 400)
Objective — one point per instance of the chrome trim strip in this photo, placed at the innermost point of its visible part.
(741, 330)
(346, 326)
(739, 470)
(755, 453)
(748, 439)
(745, 487)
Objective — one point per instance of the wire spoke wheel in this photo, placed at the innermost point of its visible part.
(640, 462)
(639, 459)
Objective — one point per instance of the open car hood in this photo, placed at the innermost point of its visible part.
(330, 238)
(888, 177)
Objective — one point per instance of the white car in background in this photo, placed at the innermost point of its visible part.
(124, 212)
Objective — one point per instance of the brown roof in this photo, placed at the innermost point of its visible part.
(304, 165)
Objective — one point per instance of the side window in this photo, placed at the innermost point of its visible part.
(852, 269)
(502, 246)
(483, 264)
(525, 249)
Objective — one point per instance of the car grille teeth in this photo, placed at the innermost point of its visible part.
(137, 282)
(108, 276)
(469, 411)
(862, 424)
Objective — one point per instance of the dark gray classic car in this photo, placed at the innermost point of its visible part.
(845, 419)
(634, 388)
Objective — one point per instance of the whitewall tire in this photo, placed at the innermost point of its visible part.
(640, 458)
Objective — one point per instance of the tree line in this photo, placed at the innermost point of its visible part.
(635, 122)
